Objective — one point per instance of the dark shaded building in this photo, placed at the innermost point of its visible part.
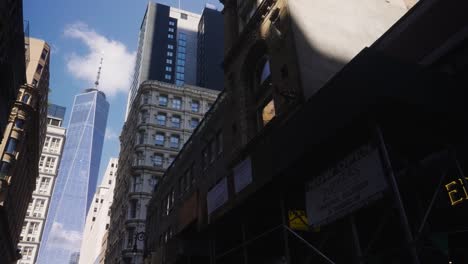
(325, 155)
(12, 56)
(210, 51)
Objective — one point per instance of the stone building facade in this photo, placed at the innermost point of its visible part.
(159, 123)
(20, 149)
(38, 207)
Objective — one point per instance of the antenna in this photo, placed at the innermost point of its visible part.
(179, 4)
(96, 83)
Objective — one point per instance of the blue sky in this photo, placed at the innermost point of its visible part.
(79, 31)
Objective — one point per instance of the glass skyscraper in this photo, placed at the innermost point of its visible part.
(76, 181)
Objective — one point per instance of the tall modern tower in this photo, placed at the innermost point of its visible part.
(168, 47)
(76, 181)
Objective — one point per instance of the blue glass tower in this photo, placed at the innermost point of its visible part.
(76, 181)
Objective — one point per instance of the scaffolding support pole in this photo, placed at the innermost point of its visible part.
(396, 194)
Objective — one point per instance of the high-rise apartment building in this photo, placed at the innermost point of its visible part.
(162, 118)
(76, 181)
(97, 221)
(12, 55)
(168, 47)
(36, 213)
(20, 148)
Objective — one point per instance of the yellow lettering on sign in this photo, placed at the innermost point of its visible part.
(454, 197)
(464, 189)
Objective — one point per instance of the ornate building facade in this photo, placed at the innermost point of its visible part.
(33, 226)
(161, 120)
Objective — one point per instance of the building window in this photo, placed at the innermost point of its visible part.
(171, 23)
(182, 43)
(95, 209)
(136, 183)
(180, 69)
(175, 141)
(175, 120)
(33, 232)
(133, 208)
(170, 36)
(140, 158)
(181, 62)
(182, 36)
(179, 83)
(130, 238)
(194, 123)
(170, 46)
(181, 56)
(146, 98)
(169, 53)
(39, 207)
(195, 106)
(39, 68)
(44, 54)
(183, 16)
(163, 100)
(161, 119)
(169, 61)
(34, 82)
(176, 102)
(181, 49)
(268, 112)
(4, 167)
(25, 98)
(171, 30)
(167, 76)
(157, 160)
(19, 123)
(44, 183)
(159, 139)
(180, 76)
(168, 68)
(142, 137)
(11, 146)
(27, 253)
(144, 116)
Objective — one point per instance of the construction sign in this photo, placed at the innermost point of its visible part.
(298, 220)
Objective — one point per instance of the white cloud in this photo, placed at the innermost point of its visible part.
(111, 134)
(118, 60)
(65, 239)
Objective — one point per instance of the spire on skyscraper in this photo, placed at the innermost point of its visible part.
(96, 83)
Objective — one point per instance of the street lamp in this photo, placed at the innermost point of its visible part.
(140, 236)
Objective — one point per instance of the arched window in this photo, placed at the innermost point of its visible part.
(25, 98)
(263, 83)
